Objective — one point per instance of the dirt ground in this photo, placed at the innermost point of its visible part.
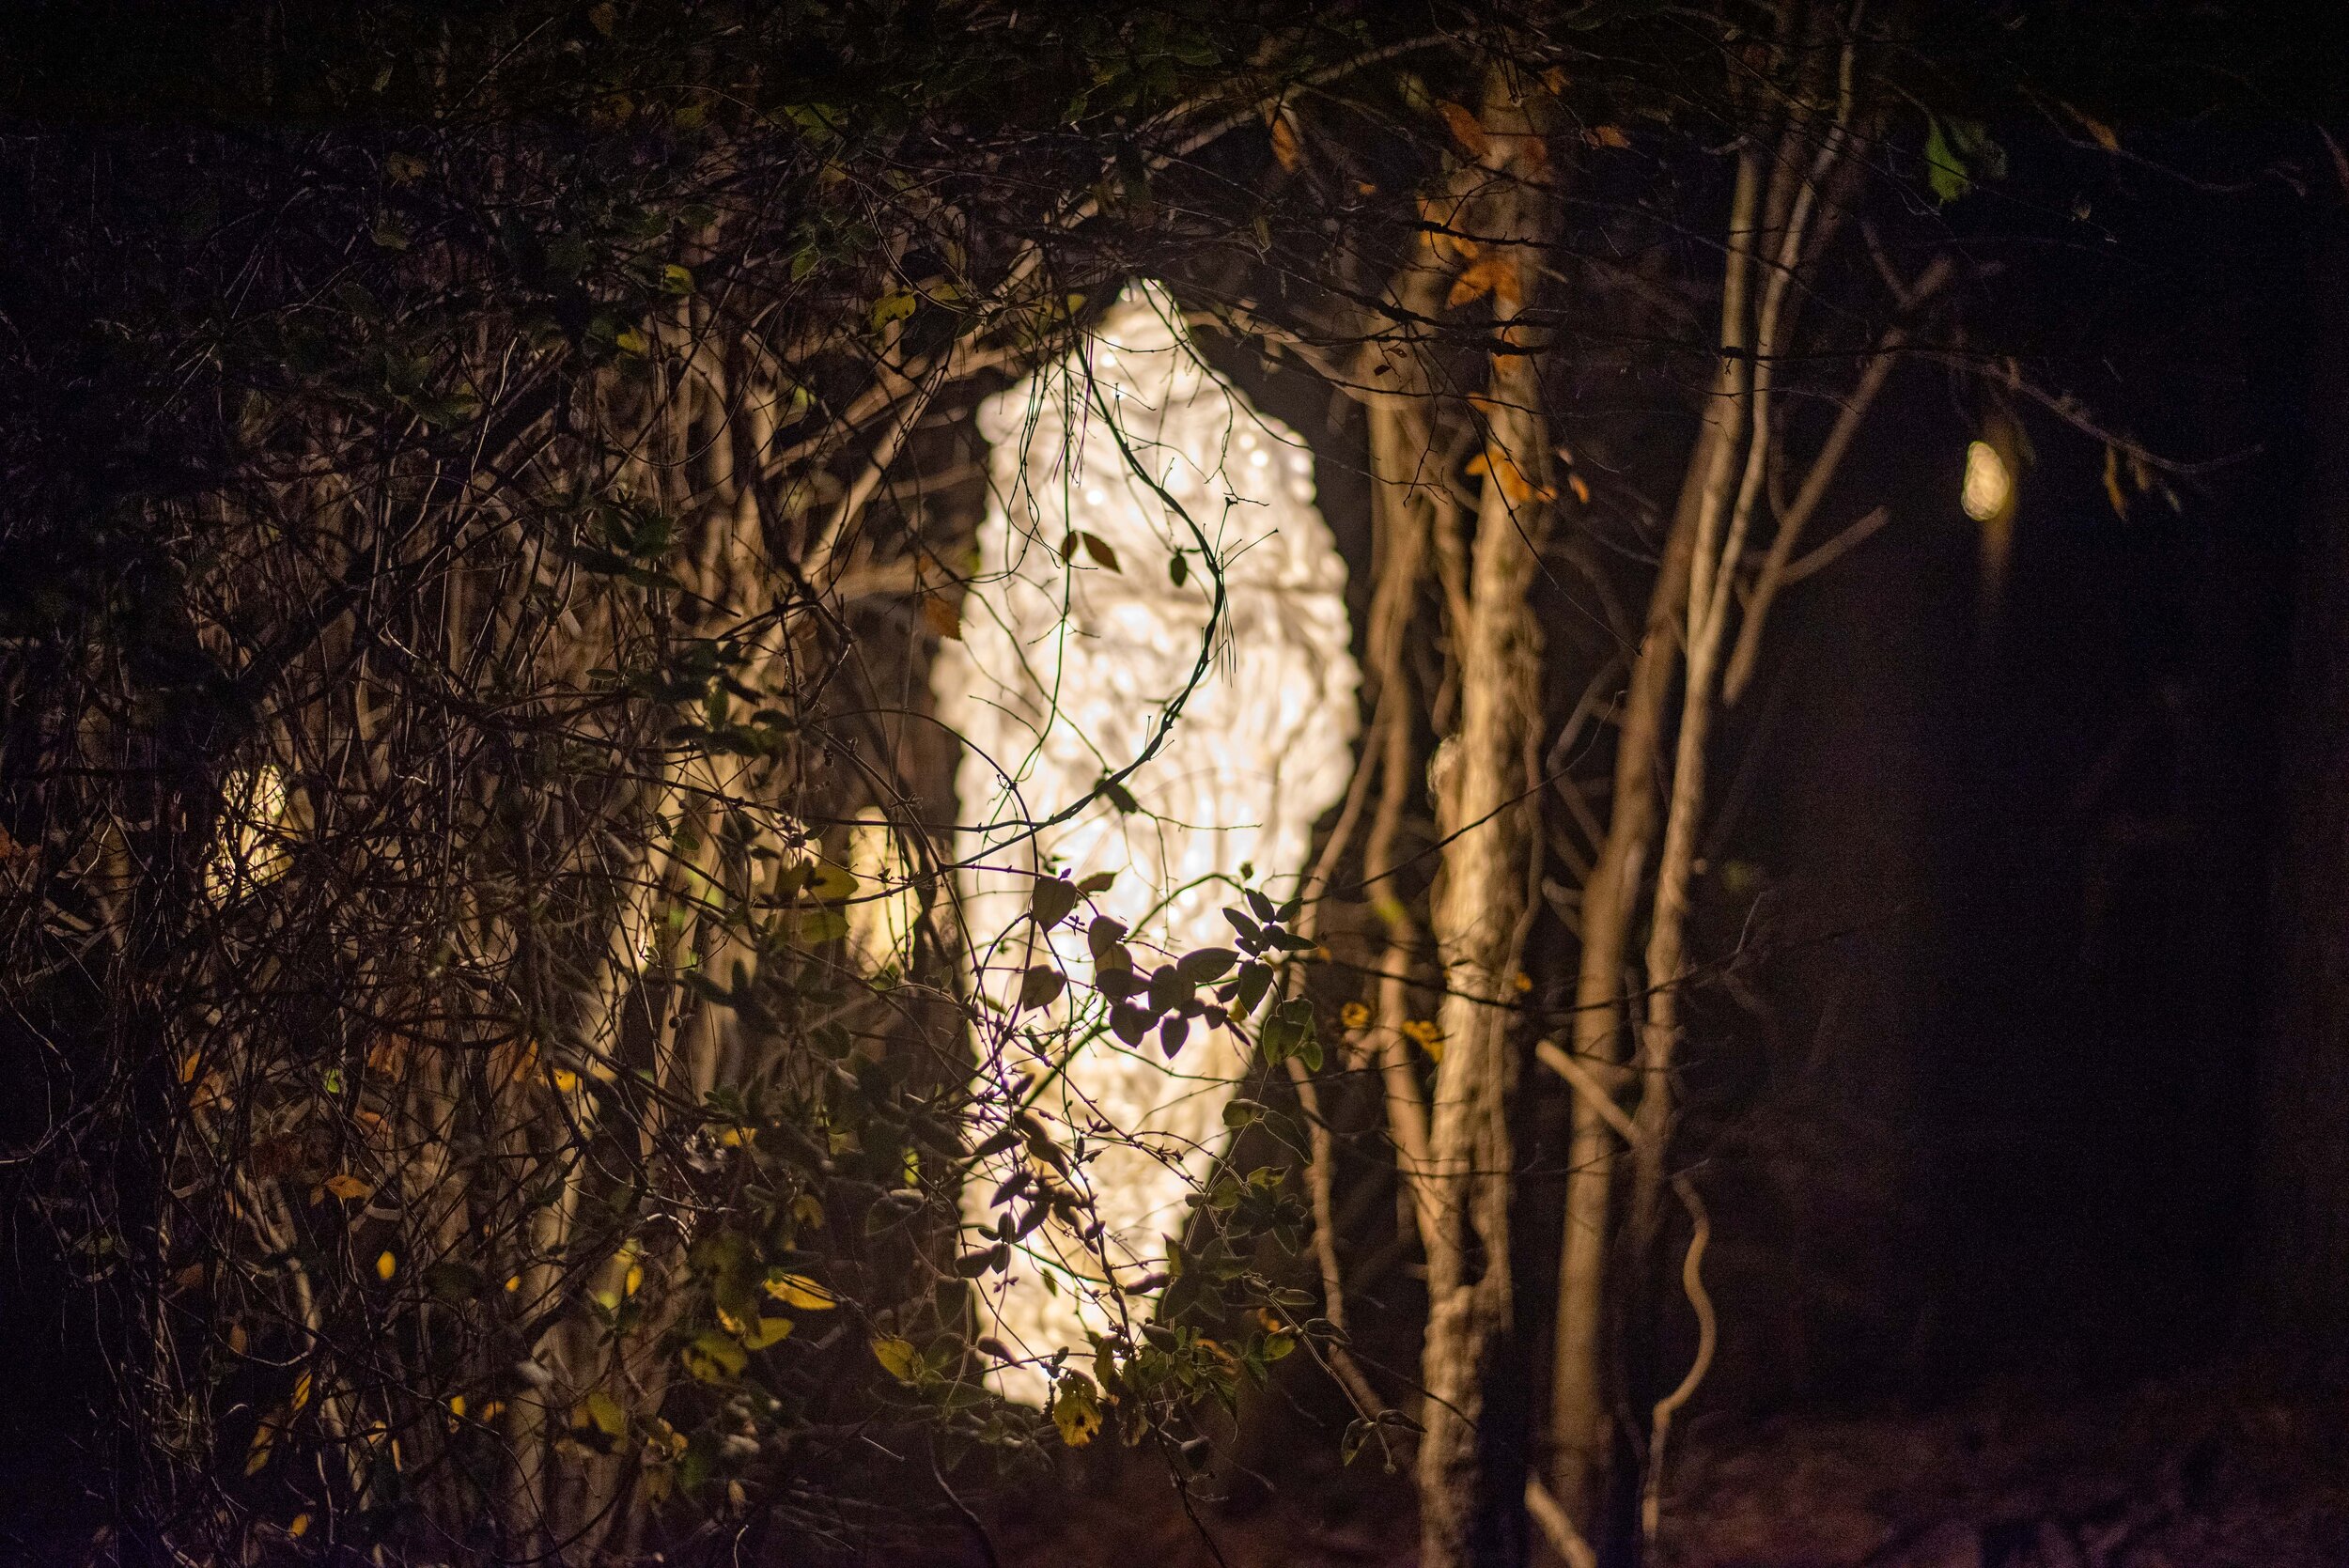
(2224, 1470)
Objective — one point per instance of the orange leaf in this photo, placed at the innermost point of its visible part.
(1581, 491)
(941, 615)
(1465, 130)
(2098, 130)
(1286, 150)
(344, 1184)
(1555, 80)
(1505, 473)
(1532, 156)
(1608, 135)
(1494, 274)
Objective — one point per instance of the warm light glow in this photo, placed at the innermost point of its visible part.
(252, 850)
(1990, 487)
(1066, 666)
(883, 911)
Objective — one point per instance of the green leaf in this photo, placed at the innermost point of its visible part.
(1290, 1032)
(1959, 152)
(715, 1357)
(814, 928)
(895, 305)
(765, 1331)
(897, 1356)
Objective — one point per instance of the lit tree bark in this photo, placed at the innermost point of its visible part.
(1480, 899)
(1579, 1422)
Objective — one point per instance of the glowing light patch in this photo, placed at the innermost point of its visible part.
(1988, 488)
(882, 914)
(251, 851)
(1069, 661)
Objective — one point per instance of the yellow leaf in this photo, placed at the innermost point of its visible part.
(606, 1412)
(830, 882)
(513, 1281)
(299, 1525)
(797, 1290)
(808, 1210)
(386, 1264)
(564, 1079)
(765, 1331)
(302, 1391)
(1076, 1412)
(1465, 130)
(1555, 80)
(456, 1404)
(344, 1184)
(1354, 1015)
(630, 341)
(2113, 483)
(897, 1355)
(636, 1280)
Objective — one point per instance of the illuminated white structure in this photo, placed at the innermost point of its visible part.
(1069, 660)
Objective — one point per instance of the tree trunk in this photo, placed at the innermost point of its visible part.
(1580, 1434)
(1465, 1510)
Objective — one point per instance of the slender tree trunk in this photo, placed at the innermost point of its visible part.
(1580, 1433)
(1477, 916)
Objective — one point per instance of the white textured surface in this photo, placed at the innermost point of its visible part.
(1064, 672)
